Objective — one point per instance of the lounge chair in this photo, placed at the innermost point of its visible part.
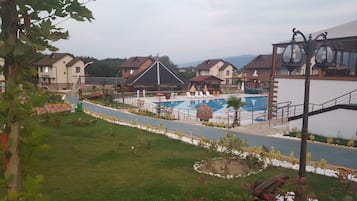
(200, 94)
(208, 94)
(196, 94)
(188, 94)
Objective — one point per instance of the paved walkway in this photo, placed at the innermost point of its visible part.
(255, 135)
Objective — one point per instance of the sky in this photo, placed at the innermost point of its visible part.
(195, 30)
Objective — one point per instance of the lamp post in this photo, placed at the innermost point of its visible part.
(291, 58)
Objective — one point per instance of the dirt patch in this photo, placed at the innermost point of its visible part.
(226, 167)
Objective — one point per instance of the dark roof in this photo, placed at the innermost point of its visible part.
(226, 64)
(156, 74)
(73, 61)
(345, 30)
(202, 78)
(135, 62)
(49, 60)
(263, 61)
(207, 64)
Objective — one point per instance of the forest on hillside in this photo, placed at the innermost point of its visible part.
(110, 67)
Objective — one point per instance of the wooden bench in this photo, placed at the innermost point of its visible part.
(268, 190)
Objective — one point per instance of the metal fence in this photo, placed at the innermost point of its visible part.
(248, 116)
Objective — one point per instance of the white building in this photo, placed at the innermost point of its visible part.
(59, 70)
(333, 91)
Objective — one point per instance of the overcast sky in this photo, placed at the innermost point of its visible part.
(194, 30)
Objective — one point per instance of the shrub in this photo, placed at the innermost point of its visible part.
(312, 137)
(323, 163)
(298, 135)
(329, 140)
(293, 159)
(351, 143)
(308, 156)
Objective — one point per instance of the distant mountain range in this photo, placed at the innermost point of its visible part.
(237, 61)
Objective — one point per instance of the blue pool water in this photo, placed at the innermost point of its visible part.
(256, 103)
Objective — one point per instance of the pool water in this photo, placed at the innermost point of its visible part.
(254, 103)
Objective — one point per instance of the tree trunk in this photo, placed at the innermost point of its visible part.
(9, 27)
(13, 124)
(235, 121)
(14, 160)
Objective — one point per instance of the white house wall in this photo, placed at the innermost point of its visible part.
(214, 70)
(73, 75)
(320, 90)
(337, 123)
(62, 73)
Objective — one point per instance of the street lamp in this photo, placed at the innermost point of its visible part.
(292, 58)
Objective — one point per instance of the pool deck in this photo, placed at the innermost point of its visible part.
(186, 98)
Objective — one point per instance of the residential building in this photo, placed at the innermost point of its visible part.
(59, 70)
(135, 65)
(156, 77)
(218, 68)
(259, 70)
(205, 83)
(333, 90)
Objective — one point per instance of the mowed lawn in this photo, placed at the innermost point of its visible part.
(104, 162)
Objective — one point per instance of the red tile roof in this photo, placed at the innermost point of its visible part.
(226, 64)
(135, 62)
(262, 61)
(207, 64)
(204, 78)
(73, 61)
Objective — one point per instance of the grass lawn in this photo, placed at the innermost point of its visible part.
(110, 162)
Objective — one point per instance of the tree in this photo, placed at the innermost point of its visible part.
(104, 68)
(27, 27)
(167, 62)
(236, 103)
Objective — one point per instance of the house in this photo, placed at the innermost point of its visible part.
(218, 68)
(156, 77)
(59, 70)
(333, 90)
(135, 65)
(206, 83)
(259, 70)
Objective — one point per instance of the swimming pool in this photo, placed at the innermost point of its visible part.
(219, 106)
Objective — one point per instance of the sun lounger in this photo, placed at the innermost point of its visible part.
(208, 94)
(201, 95)
(196, 94)
(188, 95)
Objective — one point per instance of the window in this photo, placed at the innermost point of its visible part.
(227, 73)
(78, 69)
(347, 60)
(131, 71)
(41, 69)
(46, 69)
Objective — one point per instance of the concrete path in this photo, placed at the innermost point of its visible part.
(255, 135)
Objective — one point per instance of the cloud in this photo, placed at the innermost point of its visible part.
(189, 30)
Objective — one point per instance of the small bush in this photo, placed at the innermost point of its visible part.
(293, 159)
(351, 143)
(329, 140)
(298, 135)
(312, 137)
